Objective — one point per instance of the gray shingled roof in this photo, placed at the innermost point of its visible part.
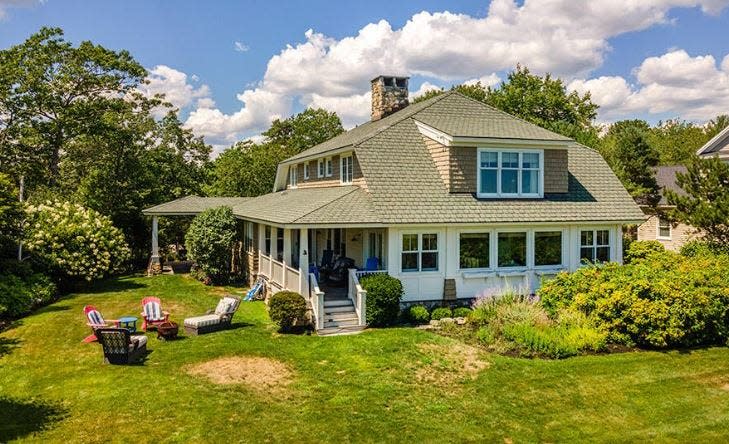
(666, 179)
(191, 205)
(327, 205)
(461, 116)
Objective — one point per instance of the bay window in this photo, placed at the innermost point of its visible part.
(419, 252)
(509, 173)
(595, 245)
(474, 250)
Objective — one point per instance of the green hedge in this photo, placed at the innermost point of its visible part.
(440, 313)
(384, 293)
(661, 300)
(22, 290)
(286, 308)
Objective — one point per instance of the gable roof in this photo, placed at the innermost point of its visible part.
(716, 144)
(666, 179)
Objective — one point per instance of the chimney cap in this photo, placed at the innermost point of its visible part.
(389, 77)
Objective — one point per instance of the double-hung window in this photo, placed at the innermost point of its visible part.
(346, 167)
(664, 229)
(419, 252)
(306, 171)
(329, 167)
(509, 173)
(293, 175)
(320, 168)
(595, 245)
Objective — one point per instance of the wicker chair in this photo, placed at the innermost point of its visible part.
(220, 319)
(120, 347)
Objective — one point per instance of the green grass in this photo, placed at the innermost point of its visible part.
(360, 388)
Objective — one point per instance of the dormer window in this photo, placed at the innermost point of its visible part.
(510, 173)
(320, 168)
(346, 169)
(293, 176)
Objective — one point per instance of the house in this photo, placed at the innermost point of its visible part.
(718, 146)
(451, 196)
(657, 227)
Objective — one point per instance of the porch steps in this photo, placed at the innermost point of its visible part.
(340, 318)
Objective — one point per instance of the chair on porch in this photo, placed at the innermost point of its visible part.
(372, 264)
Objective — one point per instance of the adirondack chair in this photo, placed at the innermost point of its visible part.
(120, 347)
(220, 319)
(95, 320)
(152, 314)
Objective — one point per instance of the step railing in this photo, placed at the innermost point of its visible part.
(316, 296)
(358, 295)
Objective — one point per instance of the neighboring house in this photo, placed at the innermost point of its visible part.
(451, 196)
(657, 226)
(718, 146)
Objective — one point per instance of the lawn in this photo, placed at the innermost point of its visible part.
(387, 385)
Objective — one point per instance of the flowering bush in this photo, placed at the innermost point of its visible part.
(74, 241)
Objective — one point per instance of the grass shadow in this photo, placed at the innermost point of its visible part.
(110, 286)
(20, 418)
(7, 345)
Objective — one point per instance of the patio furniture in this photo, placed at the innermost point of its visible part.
(372, 264)
(128, 322)
(257, 288)
(152, 313)
(120, 347)
(95, 320)
(218, 320)
(167, 331)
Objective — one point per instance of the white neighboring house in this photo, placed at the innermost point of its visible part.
(718, 146)
(451, 196)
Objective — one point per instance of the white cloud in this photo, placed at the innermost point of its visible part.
(567, 38)
(240, 46)
(690, 87)
(424, 88)
(352, 110)
(177, 90)
(6, 5)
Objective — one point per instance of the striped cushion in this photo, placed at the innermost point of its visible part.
(202, 321)
(95, 318)
(152, 311)
(227, 305)
(140, 340)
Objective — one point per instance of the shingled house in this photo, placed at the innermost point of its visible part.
(451, 196)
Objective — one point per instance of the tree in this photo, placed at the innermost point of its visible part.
(210, 241)
(706, 203)
(11, 211)
(676, 141)
(304, 130)
(52, 93)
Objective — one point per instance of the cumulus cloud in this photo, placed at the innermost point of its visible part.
(564, 37)
(174, 85)
(695, 88)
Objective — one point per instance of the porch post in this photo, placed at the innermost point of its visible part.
(304, 262)
(274, 242)
(261, 244)
(286, 254)
(155, 265)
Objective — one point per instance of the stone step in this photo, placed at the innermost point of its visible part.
(343, 323)
(350, 315)
(336, 331)
(341, 309)
(338, 303)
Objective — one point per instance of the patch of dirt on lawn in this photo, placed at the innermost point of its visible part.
(446, 364)
(257, 373)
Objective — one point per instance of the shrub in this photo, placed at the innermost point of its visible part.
(699, 247)
(209, 242)
(418, 314)
(663, 300)
(384, 293)
(461, 312)
(641, 249)
(73, 241)
(19, 294)
(286, 308)
(440, 313)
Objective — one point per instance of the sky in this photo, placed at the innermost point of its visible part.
(231, 67)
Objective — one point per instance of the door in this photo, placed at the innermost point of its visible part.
(376, 246)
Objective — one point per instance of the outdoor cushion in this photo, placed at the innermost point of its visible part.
(95, 317)
(140, 341)
(202, 321)
(152, 311)
(227, 305)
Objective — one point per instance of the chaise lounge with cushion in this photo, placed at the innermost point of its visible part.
(120, 347)
(220, 319)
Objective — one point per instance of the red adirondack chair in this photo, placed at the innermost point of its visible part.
(95, 320)
(152, 313)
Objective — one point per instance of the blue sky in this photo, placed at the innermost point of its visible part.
(652, 61)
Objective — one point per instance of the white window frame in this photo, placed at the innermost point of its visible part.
(520, 169)
(320, 168)
(490, 233)
(420, 251)
(595, 245)
(329, 167)
(294, 176)
(563, 248)
(658, 230)
(306, 170)
(346, 169)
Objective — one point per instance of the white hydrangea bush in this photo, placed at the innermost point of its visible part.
(76, 241)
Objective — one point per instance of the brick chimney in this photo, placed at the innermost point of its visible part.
(389, 94)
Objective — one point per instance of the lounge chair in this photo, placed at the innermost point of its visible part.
(152, 313)
(95, 320)
(218, 320)
(120, 347)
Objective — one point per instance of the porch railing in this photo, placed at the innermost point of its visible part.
(316, 296)
(280, 274)
(358, 295)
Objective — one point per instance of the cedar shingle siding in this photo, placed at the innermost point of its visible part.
(556, 172)
(333, 180)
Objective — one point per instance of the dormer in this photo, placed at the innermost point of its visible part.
(339, 169)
